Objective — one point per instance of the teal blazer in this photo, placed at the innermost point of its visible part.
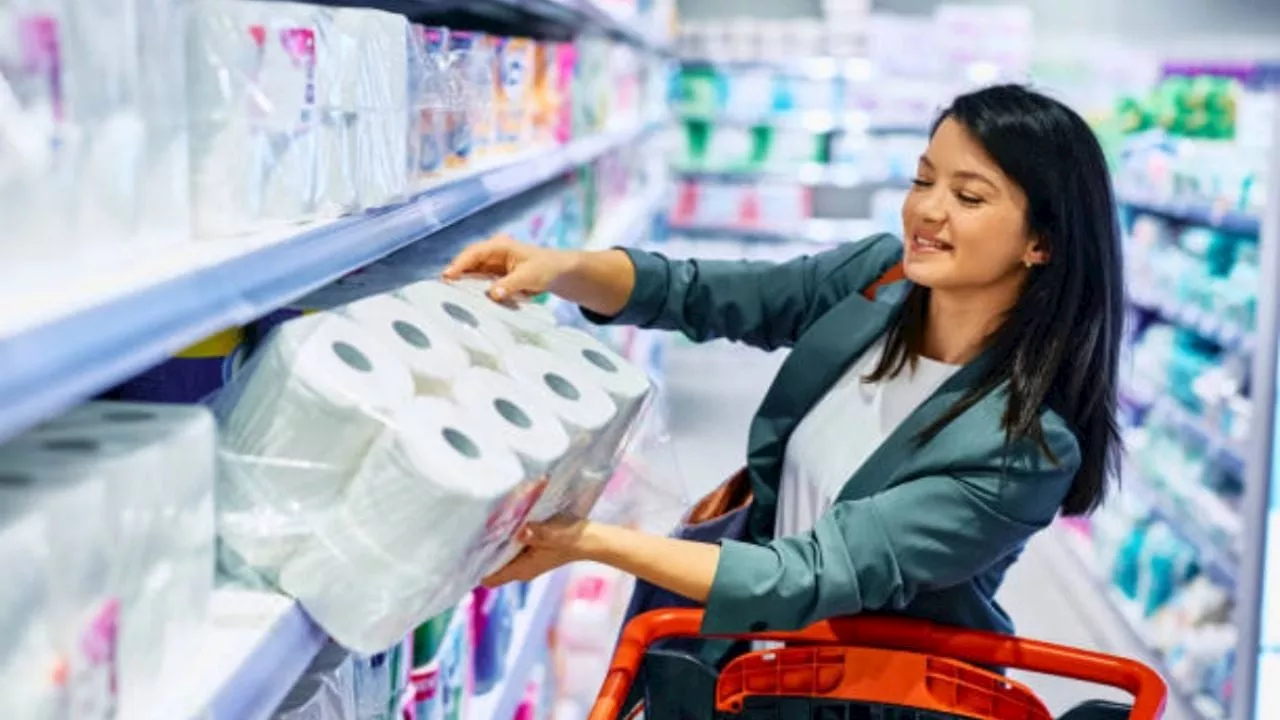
(923, 530)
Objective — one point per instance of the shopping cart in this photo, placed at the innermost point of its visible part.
(881, 668)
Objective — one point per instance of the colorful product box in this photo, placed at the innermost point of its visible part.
(515, 98)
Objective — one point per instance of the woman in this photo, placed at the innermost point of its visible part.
(912, 442)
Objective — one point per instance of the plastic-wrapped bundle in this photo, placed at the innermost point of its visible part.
(326, 691)
(378, 506)
(34, 161)
(185, 438)
(430, 101)
(254, 126)
(471, 320)
(362, 68)
(528, 321)
(29, 657)
(297, 428)
(430, 352)
(62, 659)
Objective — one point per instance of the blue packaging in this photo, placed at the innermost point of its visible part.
(493, 626)
(190, 376)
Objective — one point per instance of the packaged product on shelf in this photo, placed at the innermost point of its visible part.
(380, 680)
(34, 158)
(469, 131)
(566, 96)
(592, 92)
(191, 375)
(547, 92)
(57, 609)
(154, 465)
(430, 98)
(514, 97)
(358, 444)
(442, 675)
(255, 129)
(492, 624)
(379, 92)
(102, 86)
(166, 175)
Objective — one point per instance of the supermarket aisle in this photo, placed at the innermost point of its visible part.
(714, 390)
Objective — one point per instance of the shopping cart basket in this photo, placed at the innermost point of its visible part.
(882, 668)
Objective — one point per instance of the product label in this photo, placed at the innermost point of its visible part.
(91, 683)
(455, 664)
(300, 45)
(41, 63)
(427, 697)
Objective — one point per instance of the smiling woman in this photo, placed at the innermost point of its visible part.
(921, 430)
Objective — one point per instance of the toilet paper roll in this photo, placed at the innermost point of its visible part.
(529, 321)
(24, 555)
(424, 512)
(311, 404)
(581, 405)
(186, 438)
(469, 319)
(368, 610)
(626, 384)
(522, 419)
(429, 486)
(434, 357)
(110, 487)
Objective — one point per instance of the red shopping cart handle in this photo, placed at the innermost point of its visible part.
(894, 633)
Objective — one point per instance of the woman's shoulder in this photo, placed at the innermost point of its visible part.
(851, 267)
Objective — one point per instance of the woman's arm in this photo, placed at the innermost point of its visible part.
(681, 566)
(876, 553)
(764, 304)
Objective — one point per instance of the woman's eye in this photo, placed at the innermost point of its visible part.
(968, 199)
(921, 183)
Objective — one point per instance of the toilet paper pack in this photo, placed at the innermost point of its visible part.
(378, 459)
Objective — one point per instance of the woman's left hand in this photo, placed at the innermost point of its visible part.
(548, 545)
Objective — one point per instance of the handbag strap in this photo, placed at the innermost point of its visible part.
(888, 277)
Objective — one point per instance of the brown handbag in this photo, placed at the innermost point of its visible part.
(735, 493)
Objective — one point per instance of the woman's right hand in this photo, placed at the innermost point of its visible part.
(598, 281)
(520, 270)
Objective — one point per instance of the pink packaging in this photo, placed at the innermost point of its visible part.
(566, 66)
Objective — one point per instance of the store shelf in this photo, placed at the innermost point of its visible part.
(814, 121)
(1229, 457)
(528, 647)
(813, 68)
(1220, 564)
(556, 19)
(256, 646)
(63, 342)
(814, 230)
(1195, 213)
(626, 225)
(1077, 547)
(1210, 326)
(810, 175)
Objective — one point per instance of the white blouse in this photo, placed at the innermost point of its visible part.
(843, 430)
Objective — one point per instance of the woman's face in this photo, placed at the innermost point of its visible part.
(964, 221)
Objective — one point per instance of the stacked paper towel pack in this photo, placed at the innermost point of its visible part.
(108, 516)
(378, 458)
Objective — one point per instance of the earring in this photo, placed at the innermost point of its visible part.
(1028, 263)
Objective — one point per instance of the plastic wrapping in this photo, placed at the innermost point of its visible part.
(34, 162)
(136, 566)
(297, 112)
(326, 690)
(55, 609)
(379, 501)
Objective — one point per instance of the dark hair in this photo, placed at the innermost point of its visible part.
(1059, 345)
